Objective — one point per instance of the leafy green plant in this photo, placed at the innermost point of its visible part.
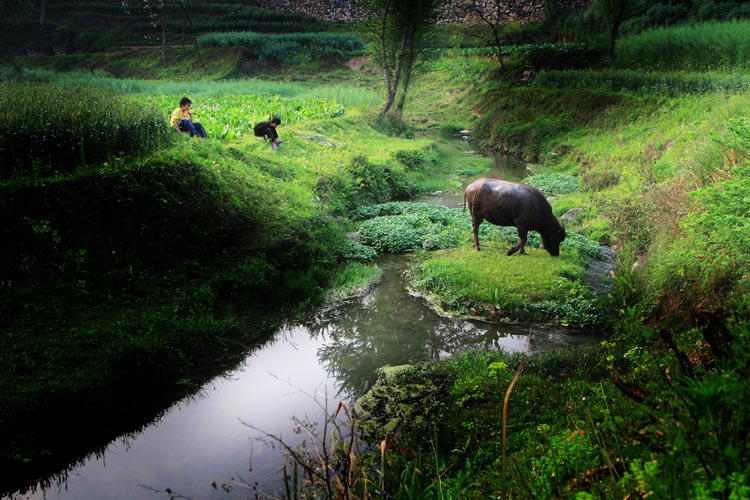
(357, 252)
(398, 227)
(553, 184)
(233, 116)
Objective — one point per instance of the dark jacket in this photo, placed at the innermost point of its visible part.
(265, 129)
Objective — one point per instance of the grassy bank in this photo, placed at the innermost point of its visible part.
(659, 408)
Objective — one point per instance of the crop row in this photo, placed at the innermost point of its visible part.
(225, 10)
(221, 25)
(291, 48)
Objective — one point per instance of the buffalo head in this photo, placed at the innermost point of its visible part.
(551, 240)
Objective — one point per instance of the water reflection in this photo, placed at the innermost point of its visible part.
(391, 327)
(211, 438)
(503, 167)
(207, 438)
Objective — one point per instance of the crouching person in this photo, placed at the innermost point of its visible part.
(268, 130)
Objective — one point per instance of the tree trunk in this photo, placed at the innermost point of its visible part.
(407, 71)
(398, 71)
(189, 19)
(390, 94)
(42, 12)
(163, 40)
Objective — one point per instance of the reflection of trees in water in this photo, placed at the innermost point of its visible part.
(391, 328)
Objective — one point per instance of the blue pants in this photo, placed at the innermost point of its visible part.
(193, 129)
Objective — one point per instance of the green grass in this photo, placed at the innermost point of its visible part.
(351, 281)
(533, 287)
(149, 269)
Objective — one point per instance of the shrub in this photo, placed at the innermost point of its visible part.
(378, 183)
(414, 159)
(51, 128)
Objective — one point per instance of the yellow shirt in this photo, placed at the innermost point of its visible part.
(178, 115)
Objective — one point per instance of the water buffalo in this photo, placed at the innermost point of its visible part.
(513, 204)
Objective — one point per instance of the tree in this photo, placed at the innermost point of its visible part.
(491, 17)
(160, 12)
(402, 29)
(14, 12)
(612, 13)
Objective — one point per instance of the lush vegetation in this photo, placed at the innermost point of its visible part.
(658, 409)
(71, 127)
(707, 46)
(289, 49)
(147, 254)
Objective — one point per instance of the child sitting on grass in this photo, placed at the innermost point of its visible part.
(182, 119)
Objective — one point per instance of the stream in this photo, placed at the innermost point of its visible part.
(216, 436)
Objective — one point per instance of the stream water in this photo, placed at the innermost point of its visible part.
(215, 436)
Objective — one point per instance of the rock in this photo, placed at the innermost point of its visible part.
(571, 214)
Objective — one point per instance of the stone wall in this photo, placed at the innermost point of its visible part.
(453, 11)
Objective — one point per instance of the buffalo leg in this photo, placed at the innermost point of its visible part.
(522, 234)
(475, 221)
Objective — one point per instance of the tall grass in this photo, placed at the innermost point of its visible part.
(57, 127)
(708, 46)
(667, 83)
